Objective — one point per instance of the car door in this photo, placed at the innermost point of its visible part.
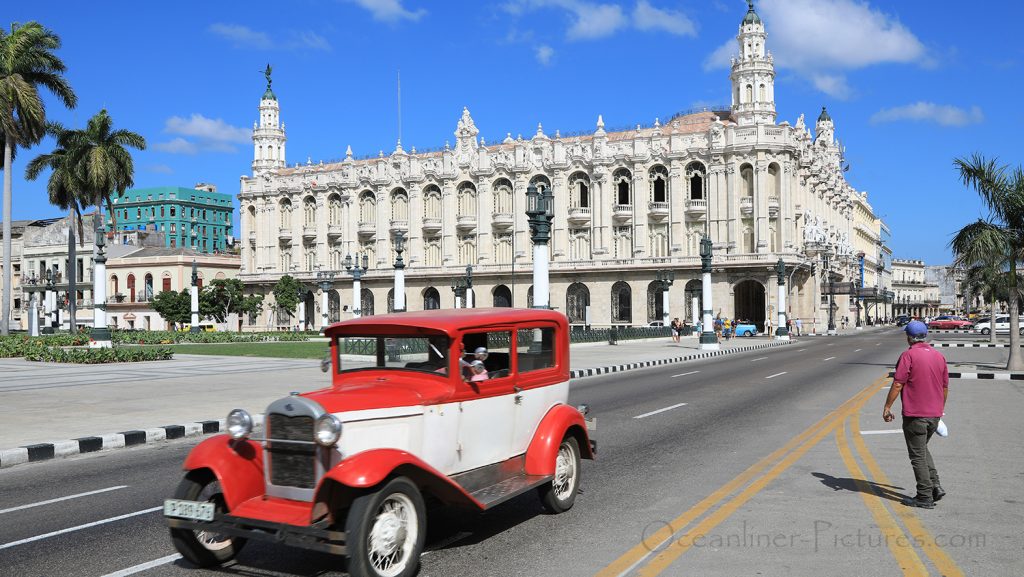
(486, 416)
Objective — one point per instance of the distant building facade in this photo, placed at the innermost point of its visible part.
(915, 295)
(197, 218)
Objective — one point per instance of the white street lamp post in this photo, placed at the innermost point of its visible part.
(399, 304)
(781, 331)
(708, 340)
(195, 297)
(100, 337)
(357, 273)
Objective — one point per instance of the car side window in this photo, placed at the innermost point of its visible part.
(535, 349)
(486, 356)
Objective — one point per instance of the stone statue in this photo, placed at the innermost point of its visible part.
(267, 74)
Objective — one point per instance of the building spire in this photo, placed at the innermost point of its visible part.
(269, 94)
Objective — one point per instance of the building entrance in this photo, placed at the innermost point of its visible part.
(748, 302)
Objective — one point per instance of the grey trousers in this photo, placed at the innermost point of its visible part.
(917, 431)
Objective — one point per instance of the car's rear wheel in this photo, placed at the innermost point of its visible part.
(386, 530)
(985, 331)
(748, 334)
(559, 495)
(204, 548)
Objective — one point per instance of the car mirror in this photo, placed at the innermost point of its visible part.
(325, 363)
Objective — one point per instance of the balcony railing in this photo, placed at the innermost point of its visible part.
(579, 215)
(657, 210)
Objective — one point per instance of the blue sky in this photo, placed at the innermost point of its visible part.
(910, 84)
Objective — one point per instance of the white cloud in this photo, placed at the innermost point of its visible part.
(821, 39)
(160, 169)
(242, 36)
(177, 146)
(390, 10)
(942, 114)
(544, 54)
(587, 20)
(647, 17)
(210, 129)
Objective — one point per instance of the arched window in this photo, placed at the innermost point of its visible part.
(251, 218)
(285, 211)
(432, 201)
(431, 299)
(750, 93)
(366, 302)
(131, 288)
(655, 302)
(577, 299)
(309, 211)
(367, 207)
(761, 94)
(659, 184)
(541, 182)
(579, 190)
(391, 300)
(467, 199)
(399, 205)
(748, 240)
(333, 306)
(113, 285)
(334, 209)
(622, 303)
(148, 295)
(623, 181)
(774, 181)
(695, 174)
(747, 176)
(529, 297)
(502, 196)
(502, 296)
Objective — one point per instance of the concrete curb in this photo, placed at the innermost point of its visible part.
(593, 372)
(69, 447)
(971, 345)
(983, 376)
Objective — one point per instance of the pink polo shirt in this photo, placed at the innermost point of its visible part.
(923, 373)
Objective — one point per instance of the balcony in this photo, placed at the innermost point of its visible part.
(696, 208)
(747, 206)
(579, 215)
(367, 229)
(431, 225)
(502, 221)
(399, 226)
(657, 211)
(333, 230)
(466, 223)
(773, 206)
(284, 234)
(622, 212)
(309, 232)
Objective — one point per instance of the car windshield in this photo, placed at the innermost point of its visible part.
(428, 354)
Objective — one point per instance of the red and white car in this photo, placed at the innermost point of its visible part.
(950, 322)
(345, 469)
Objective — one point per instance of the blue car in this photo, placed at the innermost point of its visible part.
(746, 330)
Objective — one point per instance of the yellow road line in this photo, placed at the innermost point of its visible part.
(640, 551)
(899, 545)
(668, 556)
(943, 562)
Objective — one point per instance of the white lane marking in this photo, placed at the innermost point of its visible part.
(759, 359)
(676, 406)
(829, 358)
(79, 527)
(59, 499)
(776, 375)
(800, 350)
(143, 566)
(881, 432)
(857, 350)
(684, 374)
(877, 344)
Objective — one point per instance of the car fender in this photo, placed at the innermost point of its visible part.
(237, 464)
(559, 421)
(370, 468)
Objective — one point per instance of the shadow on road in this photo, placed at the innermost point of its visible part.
(861, 486)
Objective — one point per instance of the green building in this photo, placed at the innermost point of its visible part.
(196, 218)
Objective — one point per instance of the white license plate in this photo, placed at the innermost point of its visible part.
(200, 511)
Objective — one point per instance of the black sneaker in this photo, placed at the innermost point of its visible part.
(919, 503)
(937, 494)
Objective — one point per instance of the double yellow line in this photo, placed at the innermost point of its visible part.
(761, 473)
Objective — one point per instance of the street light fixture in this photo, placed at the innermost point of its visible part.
(399, 303)
(781, 330)
(357, 272)
(459, 288)
(194, 293)
(540, 213)
(664, 278)
(325, 279)
(827, 257)
(300, 298)
(100, 336)
(708, 340)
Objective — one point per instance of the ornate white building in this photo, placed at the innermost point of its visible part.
(627, 203)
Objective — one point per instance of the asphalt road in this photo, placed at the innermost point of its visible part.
(655, 462)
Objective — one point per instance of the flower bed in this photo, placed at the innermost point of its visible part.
(97, 356)
(172, 337)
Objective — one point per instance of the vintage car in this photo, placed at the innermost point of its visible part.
(949, 322)
(409, 416)
(746, 330)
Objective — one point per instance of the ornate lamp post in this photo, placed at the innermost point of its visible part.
(195, 297)
(399, 272)
(100, 337)
(48, 303)
(665, 278)
(459, 288)
(827, 257)
(300, 296)
(860, 285)
(539, 214)
(325, 279)
(708, 341)
(781, 332)
(357, 273)
(470, 297)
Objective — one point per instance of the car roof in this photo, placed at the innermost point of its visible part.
(447, 320)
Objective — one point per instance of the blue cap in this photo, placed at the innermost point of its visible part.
(916, 329)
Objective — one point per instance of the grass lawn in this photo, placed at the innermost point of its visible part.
(296, 350)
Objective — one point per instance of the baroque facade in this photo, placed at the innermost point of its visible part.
(627, 204)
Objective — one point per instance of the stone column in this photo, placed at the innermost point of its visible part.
(33, 312)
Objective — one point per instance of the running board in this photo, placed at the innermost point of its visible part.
(494, 484)
(500, 492)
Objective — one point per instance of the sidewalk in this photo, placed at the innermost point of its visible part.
(67, 409)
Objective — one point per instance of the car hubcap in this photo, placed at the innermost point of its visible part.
(208, 539)
(565, 472)
(393, 535)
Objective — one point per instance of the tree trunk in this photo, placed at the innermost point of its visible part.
(72, 270)
(5, 323)
(1015, 362)
(992, 320)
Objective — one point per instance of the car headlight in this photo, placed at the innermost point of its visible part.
(327, 430)
(239, 424)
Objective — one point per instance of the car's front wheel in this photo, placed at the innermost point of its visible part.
(985, 331)
(559, 495)
(204, 548)
(748, 334)
(386, 530)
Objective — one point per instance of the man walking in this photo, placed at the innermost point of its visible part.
(922, 383)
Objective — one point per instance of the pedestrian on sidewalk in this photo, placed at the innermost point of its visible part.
(676, 328)
(922, 384)
(799, 327)
(718, 329)
(768, 326)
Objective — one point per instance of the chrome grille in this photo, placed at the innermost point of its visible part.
(291, 464)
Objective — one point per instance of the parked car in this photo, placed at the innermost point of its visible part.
(1002, 326)
(902, 320)
(949, 322)
(746, 330)
(346, 469)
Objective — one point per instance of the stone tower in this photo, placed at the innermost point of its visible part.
(268, 136)
(753, 74)
(824, 129)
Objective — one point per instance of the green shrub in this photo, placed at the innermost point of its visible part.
(172, 337)
(97, 356)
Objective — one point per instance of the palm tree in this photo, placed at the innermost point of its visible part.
(999, 239)
(988, 281)
(27, 62)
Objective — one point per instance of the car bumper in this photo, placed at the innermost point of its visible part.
(314, 537)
